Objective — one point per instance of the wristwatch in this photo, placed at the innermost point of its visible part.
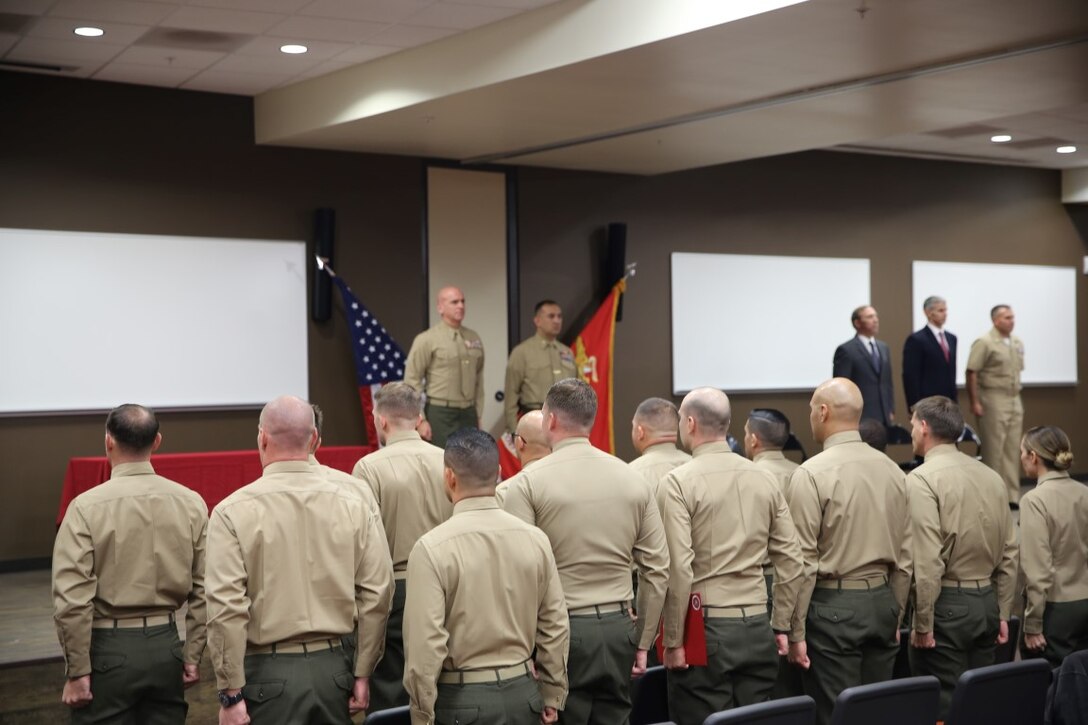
(230, 700)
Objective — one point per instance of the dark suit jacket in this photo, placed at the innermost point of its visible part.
(925, 371)
(852, 361)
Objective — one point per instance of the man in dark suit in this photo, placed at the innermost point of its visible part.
(929, 356)
(868, 363)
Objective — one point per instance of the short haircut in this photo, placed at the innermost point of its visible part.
(856, 314)
(997, 308)
(771, 426)
(658, 415)
(873, 432)
(574, 402)
(711, 418)
(473, 455)
(133, 427)
(1051, 444)
(543, 303)
(943, 417)
(319, 417)
(399, 401)
(932, 301)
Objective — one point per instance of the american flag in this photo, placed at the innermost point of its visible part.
(378, 357)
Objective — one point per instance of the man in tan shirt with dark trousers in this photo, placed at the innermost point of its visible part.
(653, 434)
(723, 517)
(128, 554)
(535, 364)
(964, 552)
(598, 515)
(850, 506)
(405, 477)
(293, 561)
(483, 594)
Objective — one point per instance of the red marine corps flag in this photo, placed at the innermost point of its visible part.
(593, 358)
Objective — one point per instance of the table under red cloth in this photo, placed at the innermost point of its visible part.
(213, 475)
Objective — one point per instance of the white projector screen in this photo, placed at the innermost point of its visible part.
(1044, 300)
(747, 323)
(89, 321)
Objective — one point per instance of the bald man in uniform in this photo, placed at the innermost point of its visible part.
(993, 387)
(294, 561)
(128, 554)
(723, 517)
(447, 363)
(483, 595)
(598, 515)
(405, 477)
(530, 445)
(653, 434)
(851, 509)
(536, 364)
(965, 552)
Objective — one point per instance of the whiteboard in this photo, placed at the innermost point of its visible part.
(761, 323)
(89, 321)
(1044, 300)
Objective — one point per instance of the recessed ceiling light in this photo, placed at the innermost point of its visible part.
(293, 49)
(1001, 138)
(1066, 149)
(89, 32)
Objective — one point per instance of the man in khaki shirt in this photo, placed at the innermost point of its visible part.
(598, 515)
(723, 517)
(993, 387)
(850, 506)
(483, 593)
(405, 477)
(128, 554)
(964, 552)
(346, 480)
(653, 434)
(447, 363)
(536, 363)
(293, 562)
(531, 446)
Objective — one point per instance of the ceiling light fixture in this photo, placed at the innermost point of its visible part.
(1001, 138)
(89, 32)
(1066, 149)
(293, 49)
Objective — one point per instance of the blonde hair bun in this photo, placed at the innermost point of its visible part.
(1063, 460)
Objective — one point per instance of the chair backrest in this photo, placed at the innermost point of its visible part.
(1007, 652)
(650, 699)
(789, 711)
(1013, 693)
(392, 716)
(910, 701)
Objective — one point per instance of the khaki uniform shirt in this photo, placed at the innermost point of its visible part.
(533, 367)
(468, 609)
(406, 479)
(852, 512)
(504, 486)
(131, 547)
(655, 463)
(598, 515)
(998, 362)
(293, 558)
(348, 481)
(1054, 544)
(963, 530)
(775, 463)
(722, 518)
(452, 364)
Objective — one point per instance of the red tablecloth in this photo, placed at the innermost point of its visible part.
(213, 475)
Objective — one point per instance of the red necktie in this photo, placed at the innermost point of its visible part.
(944, 346)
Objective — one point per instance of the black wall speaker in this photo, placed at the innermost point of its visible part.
(324, 235)
(615, 260)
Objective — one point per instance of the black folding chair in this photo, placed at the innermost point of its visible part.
(650, 698)
(910, 701)
(790, 711)
(392, 716)
(1013, 693)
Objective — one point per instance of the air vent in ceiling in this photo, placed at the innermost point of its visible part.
(27, 65)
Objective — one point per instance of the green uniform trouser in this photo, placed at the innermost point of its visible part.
(1065, 626)
(387, 682)
(444, 420)
(741, 668)
(1000, 428)
(965, 626)
(851, 641)
(298, 689)
(511, 702)
(135, 677)
(602, 650)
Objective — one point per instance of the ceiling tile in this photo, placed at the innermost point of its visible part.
(26, 7)
(227, 21)
(518, 4)
(269, 46)
(308, 28)
(268, 6)
(168, 57)
(409, 36)
(117, 11)
(285, 65)
(48, 50)
(382, 11)
(460, 17)
(61, 29)
(245, 84)
(363, 53)
(329, 66)
(144, 74)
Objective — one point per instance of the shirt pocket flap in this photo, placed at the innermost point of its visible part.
(264, 691)
(834, 614)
